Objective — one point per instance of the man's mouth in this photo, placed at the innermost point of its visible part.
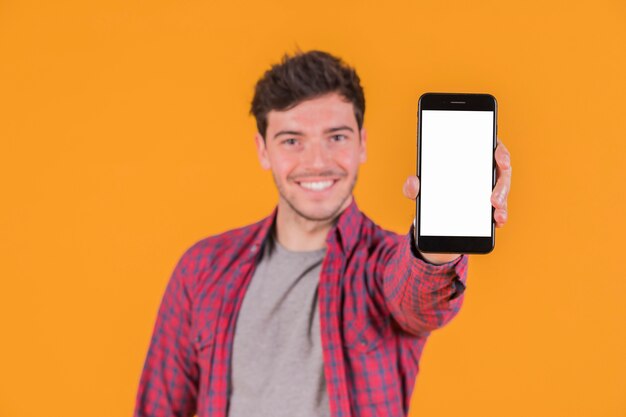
(316, 185)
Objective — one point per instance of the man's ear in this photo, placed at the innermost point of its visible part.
(363, 151)
(262, 151)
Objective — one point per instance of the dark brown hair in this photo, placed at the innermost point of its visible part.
(301, 77)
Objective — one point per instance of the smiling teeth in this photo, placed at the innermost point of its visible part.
(317, 186)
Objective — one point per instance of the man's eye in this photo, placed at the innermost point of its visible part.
(290, 141)
(338, 138)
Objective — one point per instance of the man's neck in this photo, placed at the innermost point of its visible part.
(297, 233)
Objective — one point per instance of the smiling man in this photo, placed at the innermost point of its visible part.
(314, 310)
(314, 150)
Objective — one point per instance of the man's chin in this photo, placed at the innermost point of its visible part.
(320, 212)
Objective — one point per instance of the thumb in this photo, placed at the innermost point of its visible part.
(411, 187)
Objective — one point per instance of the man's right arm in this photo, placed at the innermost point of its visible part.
(168, 384)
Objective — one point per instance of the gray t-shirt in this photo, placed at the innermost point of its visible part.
(277, 365)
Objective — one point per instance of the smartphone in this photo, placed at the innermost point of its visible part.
(456, 142)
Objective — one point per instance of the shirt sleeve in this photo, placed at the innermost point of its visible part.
(422, 296)
(168, 384)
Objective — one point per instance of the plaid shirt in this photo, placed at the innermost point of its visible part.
(378, 302)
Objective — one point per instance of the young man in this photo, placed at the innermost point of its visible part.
(314, 310)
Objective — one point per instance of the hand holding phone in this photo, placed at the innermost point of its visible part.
(457, 137)
(499, 197)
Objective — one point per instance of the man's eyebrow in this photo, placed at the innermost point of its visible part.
(288, 132)
(338, 128)
(329, 130)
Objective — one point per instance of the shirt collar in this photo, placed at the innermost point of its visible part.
(345, 230)
(347, 227)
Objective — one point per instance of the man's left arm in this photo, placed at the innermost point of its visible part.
(423, 296)
(425, 291)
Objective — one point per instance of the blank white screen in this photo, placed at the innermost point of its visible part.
(456, 173)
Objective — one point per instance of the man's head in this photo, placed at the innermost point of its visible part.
(309, 112)
(301, 77)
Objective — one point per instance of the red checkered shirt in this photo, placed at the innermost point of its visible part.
(378, 302)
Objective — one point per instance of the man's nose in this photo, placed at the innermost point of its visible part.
(316, 155)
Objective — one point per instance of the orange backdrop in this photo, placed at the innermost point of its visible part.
(125, 138)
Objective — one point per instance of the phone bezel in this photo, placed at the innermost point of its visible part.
(455, 101)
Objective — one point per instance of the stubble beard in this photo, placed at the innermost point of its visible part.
(331, 217)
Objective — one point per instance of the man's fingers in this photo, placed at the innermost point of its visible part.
(411, 187)
(500, 216)
(500, 192)
(503, 160)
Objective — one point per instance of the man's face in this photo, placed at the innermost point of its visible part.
(314, 151)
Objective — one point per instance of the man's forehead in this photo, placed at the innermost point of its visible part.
(316, 114)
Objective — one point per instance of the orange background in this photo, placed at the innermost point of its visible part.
(125, 138)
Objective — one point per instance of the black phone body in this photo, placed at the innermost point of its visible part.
(456, 142)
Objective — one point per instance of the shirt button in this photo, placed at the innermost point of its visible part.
(253, 248)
